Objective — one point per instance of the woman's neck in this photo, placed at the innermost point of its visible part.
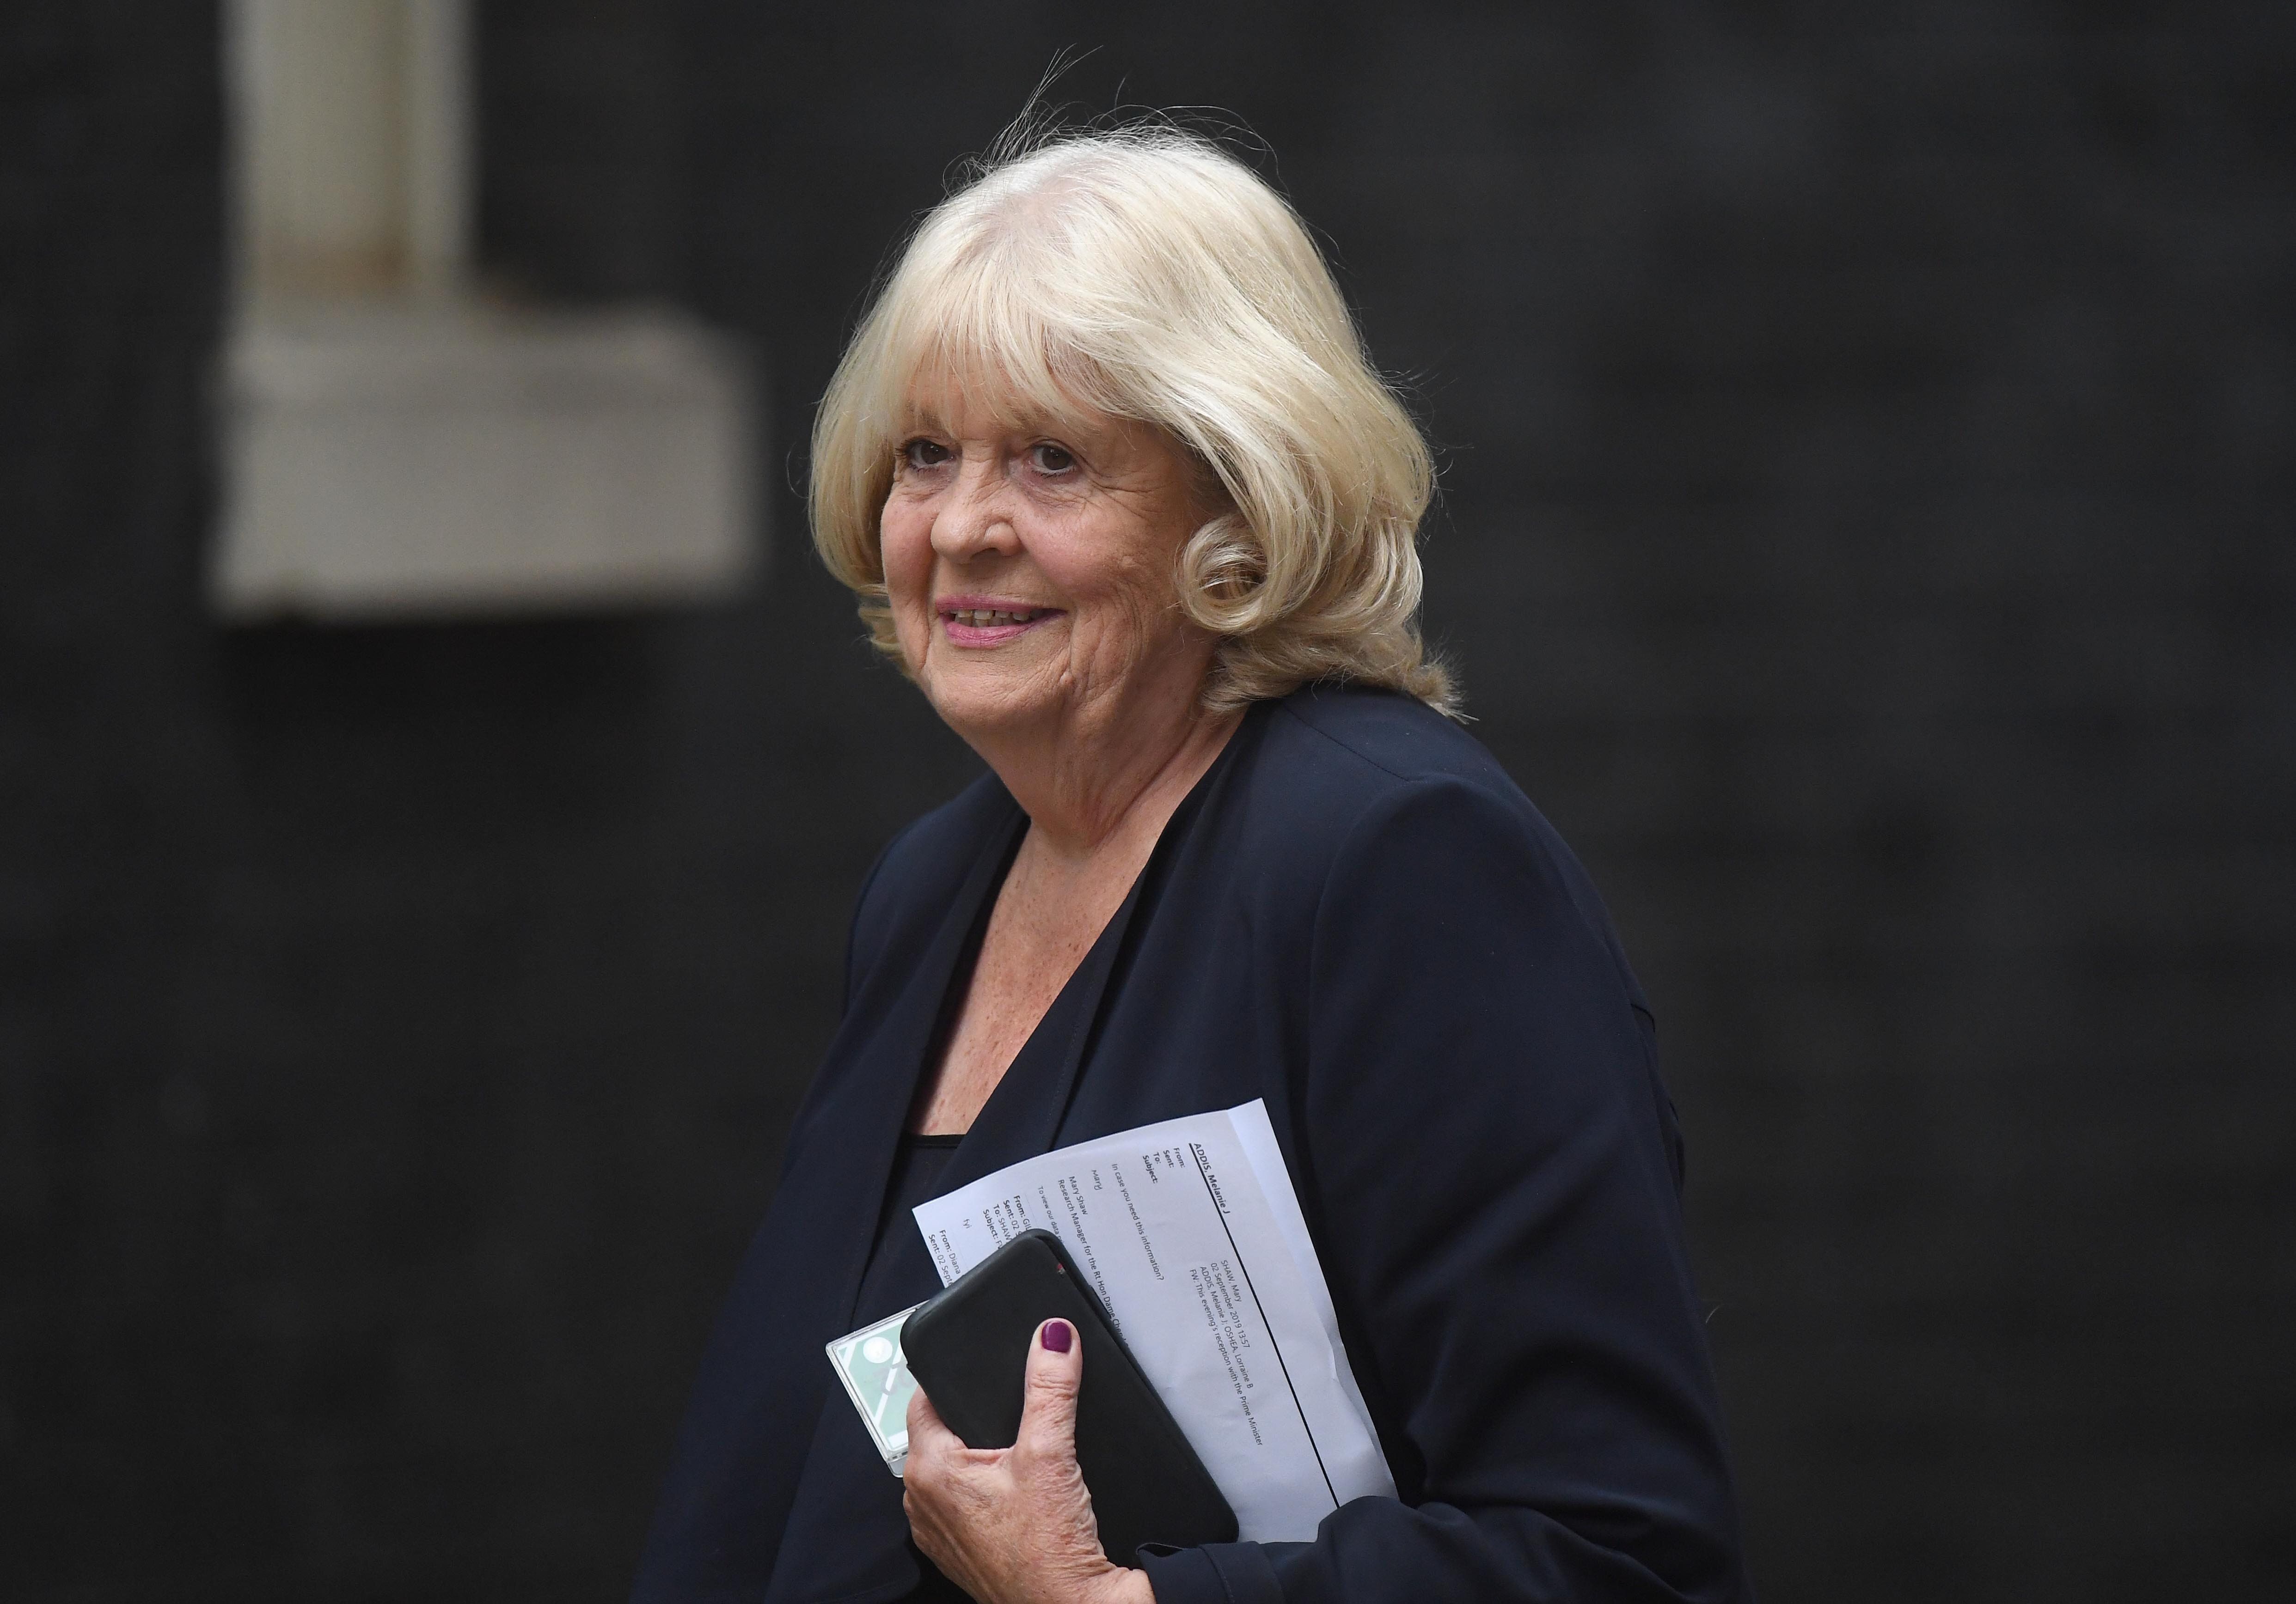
(1096, 785)
(1096, 809)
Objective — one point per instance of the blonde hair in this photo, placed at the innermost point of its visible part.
(1143, 273)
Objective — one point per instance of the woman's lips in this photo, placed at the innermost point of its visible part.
(968, 622)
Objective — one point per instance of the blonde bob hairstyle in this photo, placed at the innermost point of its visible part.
(1145, 273)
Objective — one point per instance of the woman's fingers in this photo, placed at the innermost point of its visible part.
(935, 1451)
(925, 1424)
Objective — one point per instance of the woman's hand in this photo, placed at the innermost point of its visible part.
(1015, 1525)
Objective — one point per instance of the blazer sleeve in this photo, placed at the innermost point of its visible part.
(1487, 1149)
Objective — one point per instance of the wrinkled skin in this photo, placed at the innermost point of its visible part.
(1015, 1525)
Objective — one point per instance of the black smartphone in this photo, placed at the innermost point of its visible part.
(968, 1348)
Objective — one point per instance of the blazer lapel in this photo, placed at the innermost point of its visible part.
(845, 1536)
(1023, 1116)
(861, 1122)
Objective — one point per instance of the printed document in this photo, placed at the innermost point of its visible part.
(1191, 1236)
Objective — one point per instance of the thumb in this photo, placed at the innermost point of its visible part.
(1048, 1407)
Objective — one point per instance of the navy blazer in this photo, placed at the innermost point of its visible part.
(1357, 916)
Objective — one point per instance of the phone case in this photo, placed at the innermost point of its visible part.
(968, 1348)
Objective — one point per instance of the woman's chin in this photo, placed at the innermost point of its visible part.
(981, 695)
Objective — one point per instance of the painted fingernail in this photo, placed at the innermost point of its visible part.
(1057, 1336)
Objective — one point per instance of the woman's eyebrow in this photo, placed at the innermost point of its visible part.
(1022, 430)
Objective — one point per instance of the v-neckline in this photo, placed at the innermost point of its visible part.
(1024, 1116)
(1089, 977)
(1090, 974)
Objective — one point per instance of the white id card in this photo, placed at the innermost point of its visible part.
(876, 1376)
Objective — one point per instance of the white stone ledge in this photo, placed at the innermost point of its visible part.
(448, 461)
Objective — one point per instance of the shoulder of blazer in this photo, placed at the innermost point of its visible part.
(1351, 764)
(920, 869)
(1305, 775)
(1383, 733)
(1365, 750)
(1331, 757)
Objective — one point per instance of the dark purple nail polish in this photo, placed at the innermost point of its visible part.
(1057, 1336)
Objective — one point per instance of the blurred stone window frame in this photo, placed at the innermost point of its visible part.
(397, 445)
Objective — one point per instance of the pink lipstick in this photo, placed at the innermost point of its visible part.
(988, 620)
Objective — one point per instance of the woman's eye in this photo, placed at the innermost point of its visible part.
(1049, 458)
(924, 454)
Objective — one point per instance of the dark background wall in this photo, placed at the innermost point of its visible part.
(1865, 532)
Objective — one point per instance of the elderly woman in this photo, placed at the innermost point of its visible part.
(1108, 468)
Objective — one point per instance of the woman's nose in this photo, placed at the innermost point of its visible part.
(974, 520)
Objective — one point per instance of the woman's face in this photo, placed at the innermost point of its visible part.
(1029, 570)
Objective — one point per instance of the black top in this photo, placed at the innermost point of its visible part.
(1358, 918)
(918, 1163)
